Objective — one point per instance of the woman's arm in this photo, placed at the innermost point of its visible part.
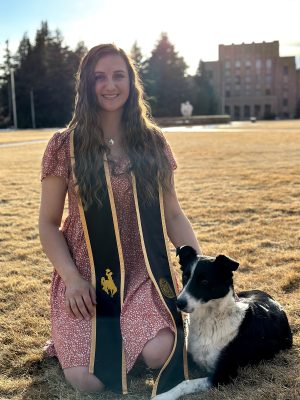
(179, 227)
(80, 295)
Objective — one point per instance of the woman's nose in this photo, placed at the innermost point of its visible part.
(110, 83)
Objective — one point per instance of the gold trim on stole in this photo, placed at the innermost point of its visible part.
(163, 219)
(121, 258)
(153, 281)
(89, 250)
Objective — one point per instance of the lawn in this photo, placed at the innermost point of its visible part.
(239, 186)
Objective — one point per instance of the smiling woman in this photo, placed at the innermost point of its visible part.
(113, 289)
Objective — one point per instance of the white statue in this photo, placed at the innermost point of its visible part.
(186, 109)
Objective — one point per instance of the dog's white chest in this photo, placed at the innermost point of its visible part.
(210, 332)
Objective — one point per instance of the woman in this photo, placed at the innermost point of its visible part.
(112, 294)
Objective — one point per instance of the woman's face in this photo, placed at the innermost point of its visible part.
(111, 83)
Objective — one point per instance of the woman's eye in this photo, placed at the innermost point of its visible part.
(99, 78)
(119, 76)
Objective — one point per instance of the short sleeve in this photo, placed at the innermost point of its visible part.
(56, 158)
(170, 156)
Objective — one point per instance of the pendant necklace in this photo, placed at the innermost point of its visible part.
(111, 142)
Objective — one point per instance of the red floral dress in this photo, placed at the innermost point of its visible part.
(143, 313)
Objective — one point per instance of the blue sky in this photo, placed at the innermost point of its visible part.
(195, 27)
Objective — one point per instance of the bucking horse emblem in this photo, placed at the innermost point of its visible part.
(108, 284)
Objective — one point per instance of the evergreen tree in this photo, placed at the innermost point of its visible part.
(24, 78)
(5, 88)
(46, 70)
(204, 99)
(164, 79)
(136, 55)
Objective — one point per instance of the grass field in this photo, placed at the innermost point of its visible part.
(239, 185)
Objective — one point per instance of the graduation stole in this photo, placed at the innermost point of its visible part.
(102, 237)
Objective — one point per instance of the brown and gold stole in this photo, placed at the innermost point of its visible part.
(102, 237)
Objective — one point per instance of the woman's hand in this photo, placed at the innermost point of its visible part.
(80, 298)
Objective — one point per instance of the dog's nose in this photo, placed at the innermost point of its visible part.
(181, 303)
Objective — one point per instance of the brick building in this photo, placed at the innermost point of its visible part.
(252, 80)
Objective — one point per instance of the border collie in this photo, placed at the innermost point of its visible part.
(226, 331)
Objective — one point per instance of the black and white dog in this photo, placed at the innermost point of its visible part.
(226, 331)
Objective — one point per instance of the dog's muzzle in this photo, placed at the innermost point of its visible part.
(181, 303)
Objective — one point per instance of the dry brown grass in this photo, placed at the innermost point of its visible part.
(239, 185)
(7, 137)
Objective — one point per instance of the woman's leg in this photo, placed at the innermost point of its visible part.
(82, 380)
(157, 350)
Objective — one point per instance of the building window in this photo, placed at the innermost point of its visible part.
(269, 79)
(210, 74)
(227, 64)
(246, 111)
(285, 102)
(258, 64)
(268, 91)
(227, 110)
(248, 79)
(248, 64)
(269, 63)
(227, 93)
(257, 110)
(237, 64)
(238, 79)
(237, 112)
(268, 112)
(285, 70)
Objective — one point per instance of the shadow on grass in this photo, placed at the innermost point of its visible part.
(48, 383)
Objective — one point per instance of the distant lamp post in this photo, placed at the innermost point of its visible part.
(12, 79)
(32, 109)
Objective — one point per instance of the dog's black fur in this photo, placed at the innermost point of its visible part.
(264, 329)
(227, 331)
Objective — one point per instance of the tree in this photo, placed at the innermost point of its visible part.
(164, 79)
(5, 88)
(47, 70)
(204, 98)
(136, 55)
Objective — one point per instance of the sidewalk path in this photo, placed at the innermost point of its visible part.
(23, 143)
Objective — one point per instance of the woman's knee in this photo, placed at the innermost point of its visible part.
(80, 378)
(158, 349)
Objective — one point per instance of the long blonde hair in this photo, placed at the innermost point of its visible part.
(143, 141)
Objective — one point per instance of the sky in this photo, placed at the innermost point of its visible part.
(194, 27)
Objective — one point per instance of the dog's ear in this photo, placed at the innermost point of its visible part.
(186, 254)
(227, 262)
